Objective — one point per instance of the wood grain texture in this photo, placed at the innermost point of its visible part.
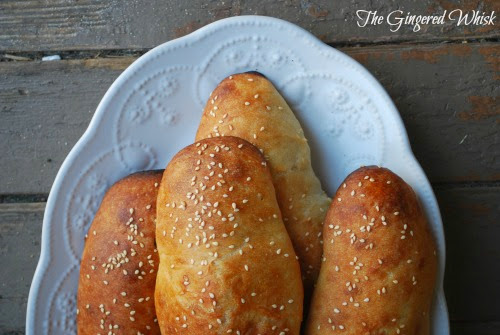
(473, 256)
(45, 107)
(470, 217)
(99, 24)
(446, 94)
(20, 234)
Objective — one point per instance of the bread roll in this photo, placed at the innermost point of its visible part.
(247, 105)
(380, 262)
(227, 264)
(119, 262)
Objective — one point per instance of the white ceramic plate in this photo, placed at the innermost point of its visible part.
(152, 110)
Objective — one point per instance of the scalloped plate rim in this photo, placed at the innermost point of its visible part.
(94, 125)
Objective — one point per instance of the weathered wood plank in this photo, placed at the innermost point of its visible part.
(471, 219)
(20, 233)
(99, 24)
(475, 328)
(448, 98)
(45, 107)
(447, 95)
(470, 216)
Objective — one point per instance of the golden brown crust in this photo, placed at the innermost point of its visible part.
(248, 106)
(227, 264)
(119, 262)
(379, 271)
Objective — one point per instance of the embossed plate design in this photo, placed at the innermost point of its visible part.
(153, 109)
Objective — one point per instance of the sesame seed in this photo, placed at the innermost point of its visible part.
(247, 103)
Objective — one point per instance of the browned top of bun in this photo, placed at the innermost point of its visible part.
(227, 264)
(380, 263)
(247, 105)
(119, 262)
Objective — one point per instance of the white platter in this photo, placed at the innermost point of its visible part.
(152, 110)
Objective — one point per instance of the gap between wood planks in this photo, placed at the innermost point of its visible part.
(429, 58)
(42, 197)
(92, 54)
(469, 216)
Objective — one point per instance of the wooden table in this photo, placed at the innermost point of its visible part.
(443, 79)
